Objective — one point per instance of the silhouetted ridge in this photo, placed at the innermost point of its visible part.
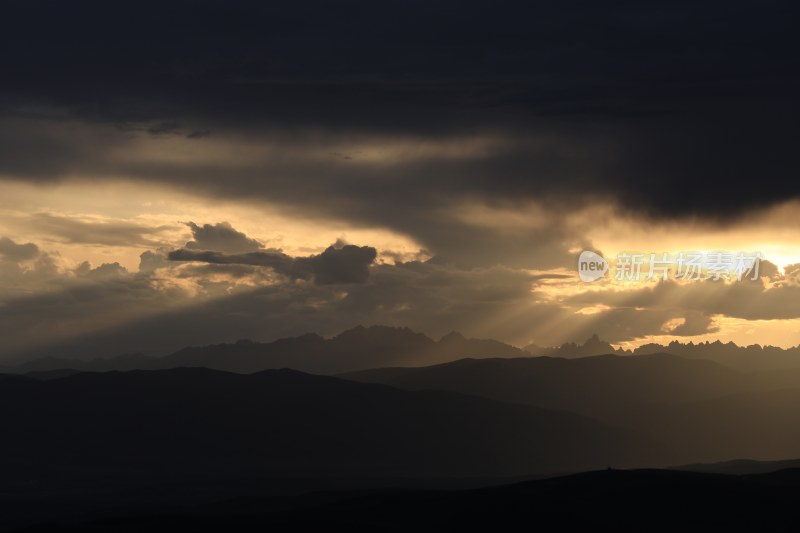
(703, 410)
(357, 348)
(197, 422)
(605, 500)
(753, 357)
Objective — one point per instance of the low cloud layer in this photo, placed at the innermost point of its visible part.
(343, 264)
(188, 296)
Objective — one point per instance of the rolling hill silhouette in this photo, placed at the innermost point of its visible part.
(610, 387)
(608, 500)
(200, 424)
(700, 410)
(741, 467)
(156, 438)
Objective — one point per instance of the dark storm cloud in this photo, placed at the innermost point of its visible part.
(659, 105)
(344, 264)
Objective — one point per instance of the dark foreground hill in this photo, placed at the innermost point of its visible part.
(611, 500)
(187, 424)
(607, 386)
(741, 467)
(701, 410)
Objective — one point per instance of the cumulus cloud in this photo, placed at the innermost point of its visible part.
(221, 237)
(11, 251)
(344, 264)
(104, 271)
(24, 267)
(149, 260)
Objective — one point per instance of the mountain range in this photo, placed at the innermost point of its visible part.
(306, 413)
(362, 348)
(354, 349)
(752, 357)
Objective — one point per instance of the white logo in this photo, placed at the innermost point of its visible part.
(591, 266)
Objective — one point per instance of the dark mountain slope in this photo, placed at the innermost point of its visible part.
(200, 423)
(609, 500)
(699, 409)
(609, 387)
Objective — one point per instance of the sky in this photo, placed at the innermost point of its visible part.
(201, 172)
